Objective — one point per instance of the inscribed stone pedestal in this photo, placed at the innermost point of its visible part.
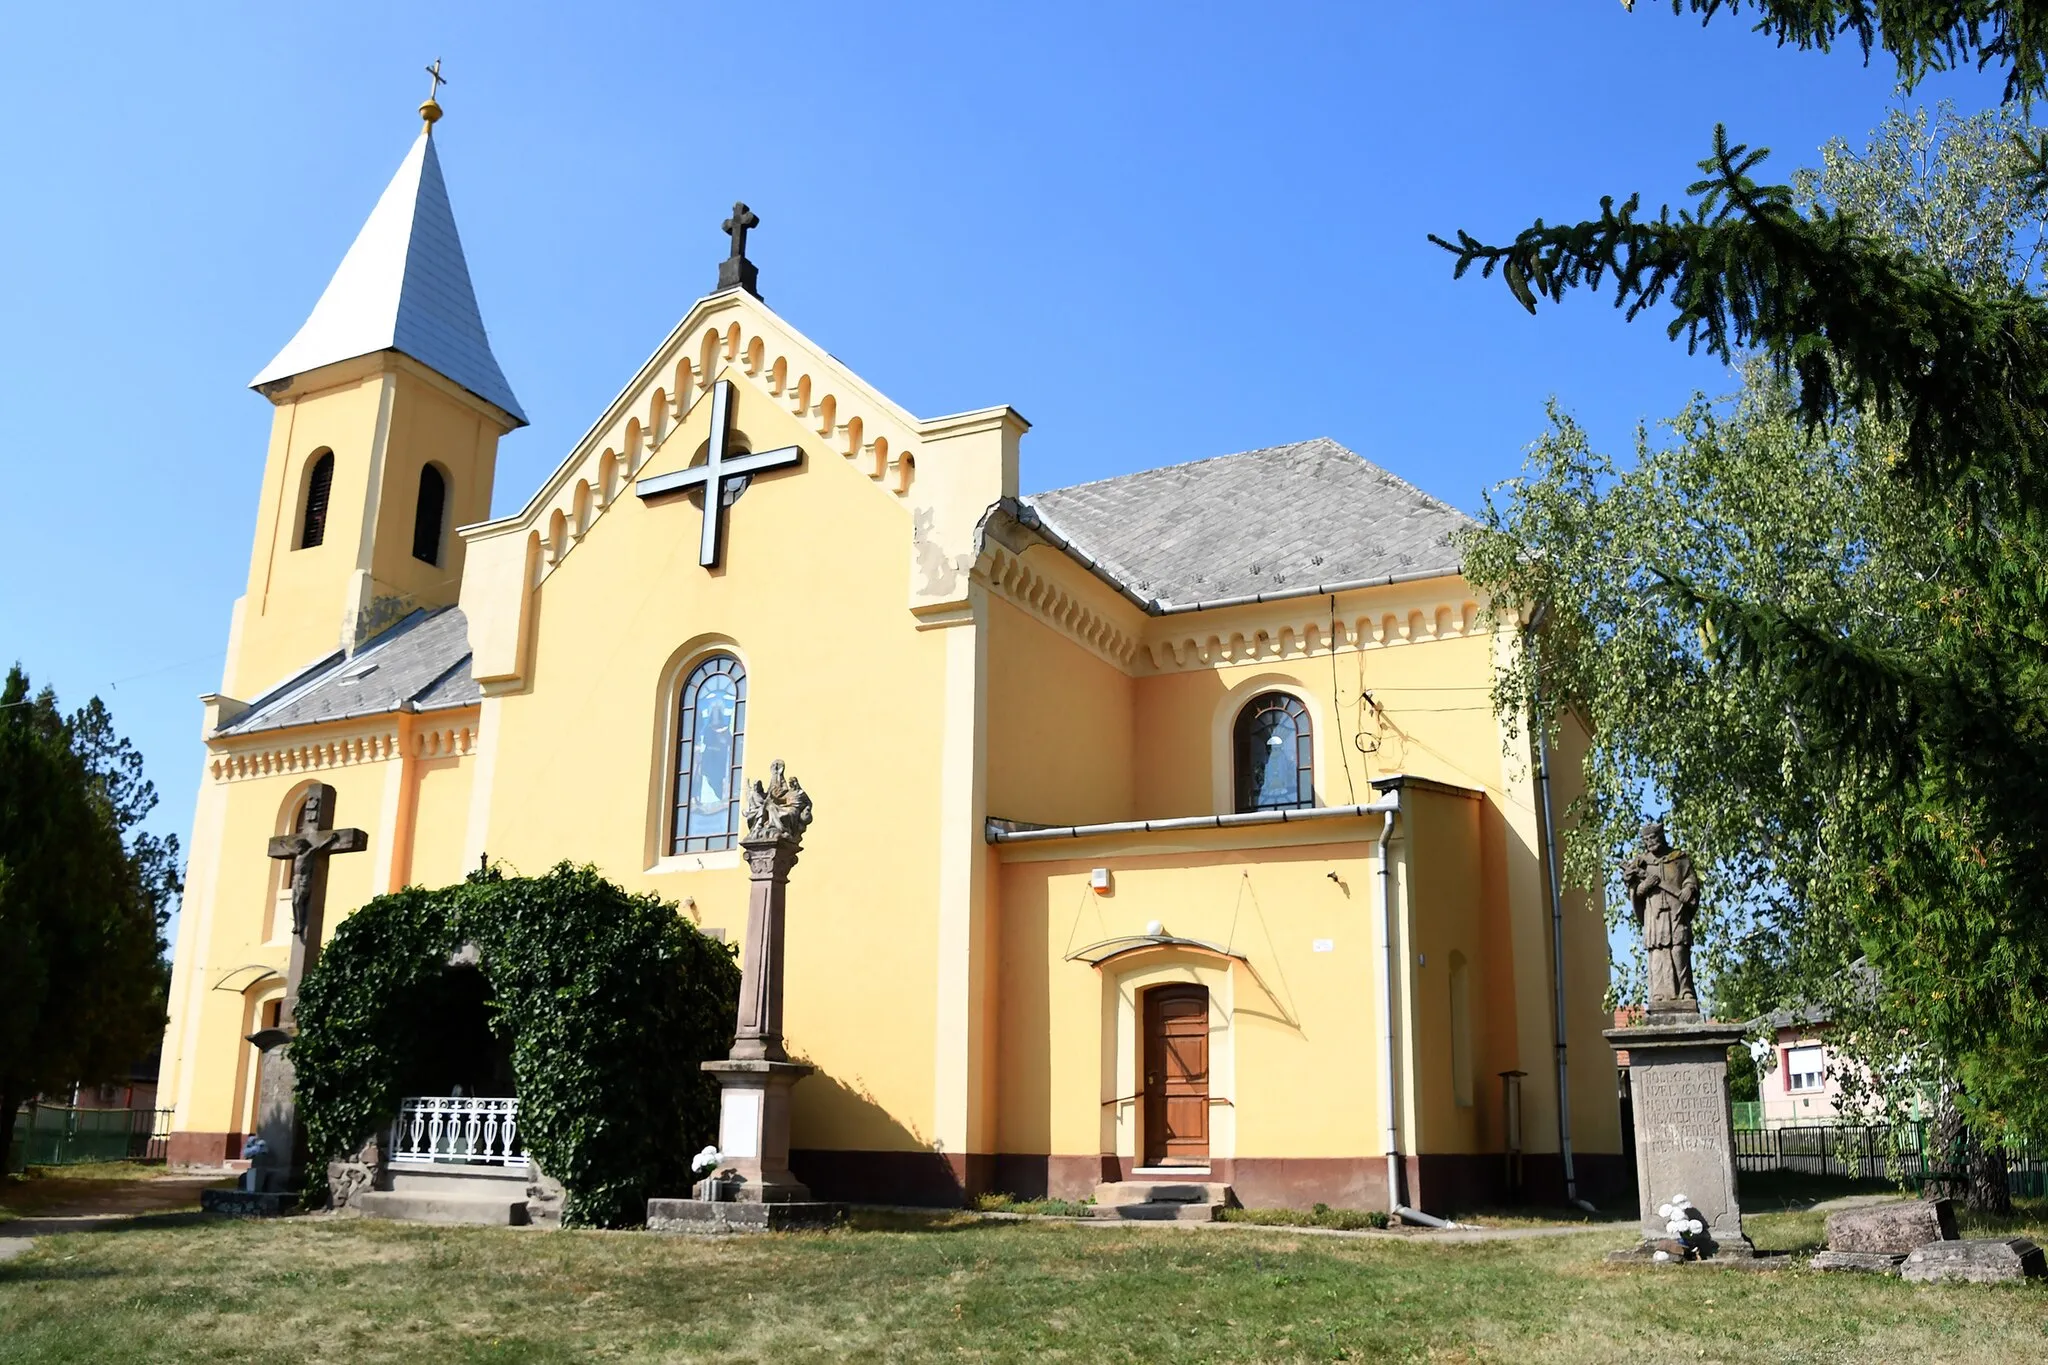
(1685, 1143)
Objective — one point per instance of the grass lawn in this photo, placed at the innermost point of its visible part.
(319, 1289)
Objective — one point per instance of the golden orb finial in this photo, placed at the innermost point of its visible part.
(430, 111)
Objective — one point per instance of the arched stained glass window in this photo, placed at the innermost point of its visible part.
(319, 483)
(710, 752)
(428, 514)
(1275, 760)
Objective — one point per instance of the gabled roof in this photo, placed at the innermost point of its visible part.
(403, 286)
(1282, 520)
(420, 664)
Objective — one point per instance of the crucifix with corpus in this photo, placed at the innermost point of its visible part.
(723, 476)
(308, 848)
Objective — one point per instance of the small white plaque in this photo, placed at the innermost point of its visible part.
(1325, 945)
(739, 1123)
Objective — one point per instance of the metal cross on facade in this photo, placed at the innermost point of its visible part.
(722, 476)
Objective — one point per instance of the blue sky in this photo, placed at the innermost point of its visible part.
(1161, 232)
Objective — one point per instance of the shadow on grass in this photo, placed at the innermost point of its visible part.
(1792, 1191)
(137, 1222)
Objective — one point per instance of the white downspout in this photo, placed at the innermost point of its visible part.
(1564, 1093)
(1389, 1097)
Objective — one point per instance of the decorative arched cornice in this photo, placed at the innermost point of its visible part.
(1045, 599)
(293, 753)
(1179, 643)
(730, 336)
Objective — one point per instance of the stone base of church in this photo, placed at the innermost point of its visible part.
(716, 1217)
(210, 1150)
(1435, 1182)
(249, 1203)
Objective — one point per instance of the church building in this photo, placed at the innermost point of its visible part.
(1164, 824)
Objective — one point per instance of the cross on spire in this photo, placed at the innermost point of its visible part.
(722, 476)
(430, 109)
(736, 271)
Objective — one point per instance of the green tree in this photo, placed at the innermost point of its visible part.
(1925, 730)
(84, 894)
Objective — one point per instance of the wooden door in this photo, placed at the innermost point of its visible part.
(1176, 1076)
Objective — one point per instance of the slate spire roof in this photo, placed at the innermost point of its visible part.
(1281, 520)
(403, 286)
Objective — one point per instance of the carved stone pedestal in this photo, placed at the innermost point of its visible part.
(753, 1133)
(1685, 1133)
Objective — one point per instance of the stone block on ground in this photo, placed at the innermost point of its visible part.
(719, 1216)
(1988, 1260)
(1878, 1262)
(249, 1203)
(1892, 1229)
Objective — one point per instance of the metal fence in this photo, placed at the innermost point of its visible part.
(470, 1129)
(60, 1135)
(1874, 1152)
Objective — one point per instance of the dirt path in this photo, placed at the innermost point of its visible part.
(57, 1206)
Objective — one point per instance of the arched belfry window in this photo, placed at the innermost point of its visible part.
(711, 729)
(319, 483)
(428, 514)
(1274, 754)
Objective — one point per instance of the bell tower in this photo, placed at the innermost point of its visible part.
(388, 409)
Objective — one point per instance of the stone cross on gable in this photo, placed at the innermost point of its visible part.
(308, 848)
(736, 271)
(722, 476)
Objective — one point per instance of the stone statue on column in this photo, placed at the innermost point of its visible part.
(1665, 891)
(1678, 1074)
(751, 1187)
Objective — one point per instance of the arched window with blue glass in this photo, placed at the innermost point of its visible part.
(1274, 754)
(711, 730)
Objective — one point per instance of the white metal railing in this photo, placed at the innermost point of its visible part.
(478, 1130)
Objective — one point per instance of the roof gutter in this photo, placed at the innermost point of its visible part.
(998, 833)
(1028, 516)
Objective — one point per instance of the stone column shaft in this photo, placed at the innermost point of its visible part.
(758, 1037)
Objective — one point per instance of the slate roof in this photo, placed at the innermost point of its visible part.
(420, 664)
(403, 286)
(1285, 519)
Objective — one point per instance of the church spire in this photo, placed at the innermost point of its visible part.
(403, 286)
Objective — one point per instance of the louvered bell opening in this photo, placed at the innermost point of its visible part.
(426, 520)
(317, 488)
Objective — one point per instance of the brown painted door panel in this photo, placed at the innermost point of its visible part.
(1176, 1076)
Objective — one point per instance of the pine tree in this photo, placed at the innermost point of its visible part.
(83, 899)
(1930, 737)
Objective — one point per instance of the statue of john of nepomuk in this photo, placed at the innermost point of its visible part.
(1665, 891)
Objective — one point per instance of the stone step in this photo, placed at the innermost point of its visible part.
(401, 1206)
(1162, 1211)
(1161, 1192)
(491, 1182)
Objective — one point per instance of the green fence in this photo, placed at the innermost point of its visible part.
(1749, 1113)
(58, 1135)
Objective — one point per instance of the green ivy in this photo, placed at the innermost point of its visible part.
(608, 1001)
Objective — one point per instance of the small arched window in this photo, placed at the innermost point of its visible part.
(427, 516)
(319, 483)
(711, 728)
(1275, 763)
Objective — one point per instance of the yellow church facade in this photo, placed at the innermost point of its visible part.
(1163, 824)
